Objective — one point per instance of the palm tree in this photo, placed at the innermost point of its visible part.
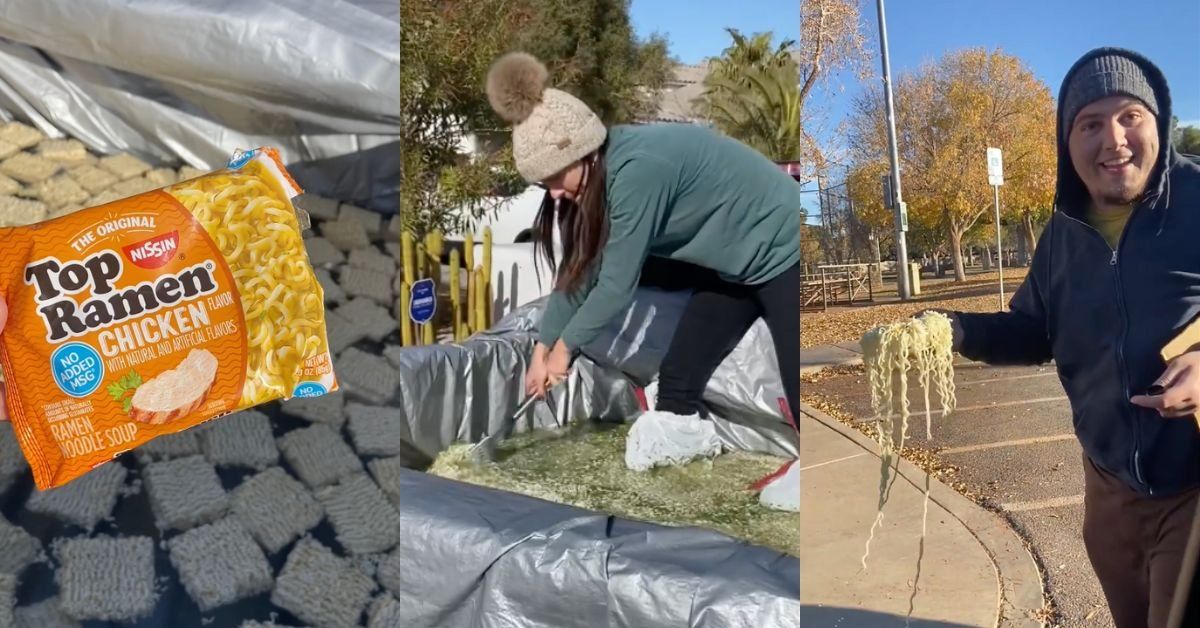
(752, 93)
(759, 105)
(751, 52)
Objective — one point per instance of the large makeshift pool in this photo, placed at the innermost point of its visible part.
(584, 466)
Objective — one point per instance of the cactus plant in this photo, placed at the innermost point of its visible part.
(455, 296)
(487, 276)
(406, 328)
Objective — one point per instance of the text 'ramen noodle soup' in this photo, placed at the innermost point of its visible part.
(151, 314)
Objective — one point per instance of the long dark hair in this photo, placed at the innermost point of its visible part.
(583, 225)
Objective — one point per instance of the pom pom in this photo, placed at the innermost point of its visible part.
(515, 84)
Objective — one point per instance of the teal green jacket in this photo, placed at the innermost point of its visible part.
(687, 193)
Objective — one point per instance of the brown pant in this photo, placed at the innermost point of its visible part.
(1136, 545)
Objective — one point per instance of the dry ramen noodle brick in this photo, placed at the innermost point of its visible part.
(161, 176)
(8, 599)
(28, 168)
(18, 548)
(275, 509)
(149, 315)
(20, 135)
(106, 578)
(15, 212)
(124, 165)
(92, 178)
(65, 151)
(9, 186)
(170, 446)
(320, 588)
(386, 472)
(188, 172)
(8, 149)
(59, 191)
(107, 196)
(385, 611)
(131, 187)
(44, 614)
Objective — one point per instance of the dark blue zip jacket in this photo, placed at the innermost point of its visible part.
(1103, 315)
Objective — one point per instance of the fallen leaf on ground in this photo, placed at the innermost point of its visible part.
(849, 323)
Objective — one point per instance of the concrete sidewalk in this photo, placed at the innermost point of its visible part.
(818, 358)
(974, 571)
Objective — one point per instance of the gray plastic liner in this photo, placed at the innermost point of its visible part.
(475, 557)
(190, 81)
(461, 392)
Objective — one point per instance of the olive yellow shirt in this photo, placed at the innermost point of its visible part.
(1109, 224)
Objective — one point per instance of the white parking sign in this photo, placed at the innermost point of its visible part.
(995, 167)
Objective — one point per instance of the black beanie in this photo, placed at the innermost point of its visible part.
(1107, 75)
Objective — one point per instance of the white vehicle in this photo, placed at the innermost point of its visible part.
(518, 278)
(513, 221)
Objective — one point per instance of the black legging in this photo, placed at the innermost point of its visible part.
(716, 318)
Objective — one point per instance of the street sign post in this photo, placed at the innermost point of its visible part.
(995, 167)
(995, 170)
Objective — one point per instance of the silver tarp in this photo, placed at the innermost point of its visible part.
(190, 81)
(475, 557)
(460, 392)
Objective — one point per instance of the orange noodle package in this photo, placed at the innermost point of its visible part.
(151, 314)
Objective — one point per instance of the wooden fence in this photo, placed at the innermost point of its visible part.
(836, 284)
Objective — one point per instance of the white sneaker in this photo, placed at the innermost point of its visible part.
(783, 492)
(666, 438)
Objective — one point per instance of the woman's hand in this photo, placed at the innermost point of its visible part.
(1177, 391)
(535, 375)
(558, 363)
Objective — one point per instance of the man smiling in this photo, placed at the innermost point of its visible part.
(1116, 275)
(1113, 142)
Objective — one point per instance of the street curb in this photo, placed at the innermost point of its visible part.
(854, 359)
(1021, 586)
(817, 368)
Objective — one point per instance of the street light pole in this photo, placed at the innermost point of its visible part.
(897, 198)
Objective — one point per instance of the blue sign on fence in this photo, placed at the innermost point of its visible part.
(423, 303)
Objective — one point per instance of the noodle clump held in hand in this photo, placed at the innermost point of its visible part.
(891, 353)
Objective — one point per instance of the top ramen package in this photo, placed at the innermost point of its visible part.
(154, 313)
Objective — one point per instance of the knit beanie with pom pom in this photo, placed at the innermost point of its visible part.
(551, 128)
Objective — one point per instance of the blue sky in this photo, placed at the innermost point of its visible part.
(696, 29)
(1048, 35)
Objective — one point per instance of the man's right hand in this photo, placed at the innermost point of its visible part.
(536, 375)
(955, 326)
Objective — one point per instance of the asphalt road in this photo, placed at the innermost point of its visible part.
(1011, 440)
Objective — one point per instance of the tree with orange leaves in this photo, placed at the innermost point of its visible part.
(948, 114)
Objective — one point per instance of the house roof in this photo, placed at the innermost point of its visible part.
(685, 84)
(675, 99)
